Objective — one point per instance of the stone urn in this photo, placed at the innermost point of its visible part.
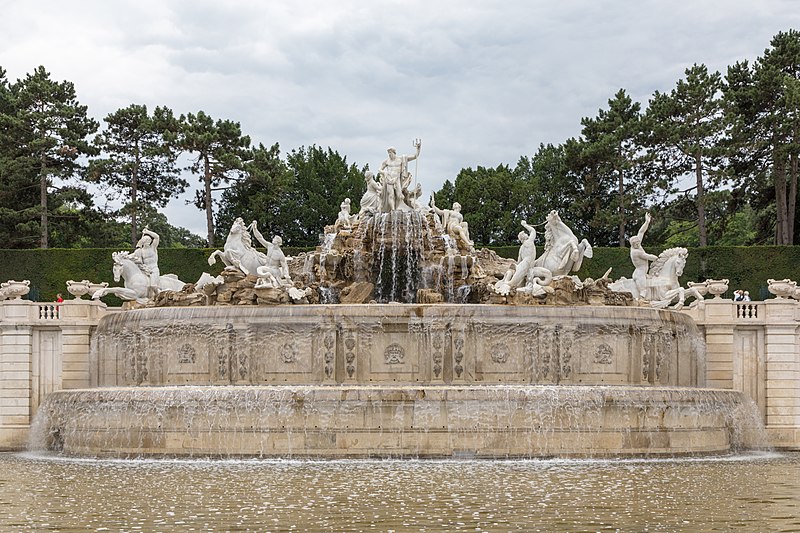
(717, 287)
(78, 288)
(782, 288)
(94, 287)
(14, 290)
(699, 286)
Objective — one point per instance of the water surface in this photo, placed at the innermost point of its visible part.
(757, 492)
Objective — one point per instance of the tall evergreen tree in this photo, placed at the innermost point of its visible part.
(762, 104)
(611, 139)
(220, 152)
(140, 165)
(49, 132)
(685, 128)
(265, 195)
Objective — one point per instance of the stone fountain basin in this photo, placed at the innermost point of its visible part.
(399, 344)
(432, 421)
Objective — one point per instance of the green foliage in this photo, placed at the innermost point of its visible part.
(683, 135)
(611, 153)
(762, 105)
(263, 195)
(322, 179)
(44, 137)
(140, 166)
(487, 196)
(220, 152)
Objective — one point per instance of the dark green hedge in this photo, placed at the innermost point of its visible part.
(747, 268)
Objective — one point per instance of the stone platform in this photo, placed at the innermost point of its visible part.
(396, 344)
(499, 421)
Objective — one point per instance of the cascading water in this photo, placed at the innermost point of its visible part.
(398, 239)
(396, 381)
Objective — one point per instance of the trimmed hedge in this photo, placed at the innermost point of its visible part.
(747, 268)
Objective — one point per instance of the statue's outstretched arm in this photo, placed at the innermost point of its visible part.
(644, 227)
(260, 238)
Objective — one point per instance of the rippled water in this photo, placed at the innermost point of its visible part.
(746, 493)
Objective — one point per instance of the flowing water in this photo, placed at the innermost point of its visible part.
(756, 492)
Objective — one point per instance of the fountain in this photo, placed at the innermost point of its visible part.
(436, 350)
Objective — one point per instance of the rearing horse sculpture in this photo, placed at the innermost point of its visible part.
(562, 251)
(239, 251)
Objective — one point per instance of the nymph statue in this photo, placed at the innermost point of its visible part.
(371, 201)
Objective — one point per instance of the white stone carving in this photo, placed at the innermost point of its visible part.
(78, 288)
(526, 277)
(14, 290)
(94, 287)
(129, 267)
(454, 223)
(660, 285)
(396, 179)
(371, 200)
(716, 287)
(562, 251)
(147, 253)
(783, 288)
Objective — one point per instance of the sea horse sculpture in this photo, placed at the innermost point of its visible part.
(562, 251)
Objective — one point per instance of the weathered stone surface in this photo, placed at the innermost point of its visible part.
(429, 296)
(357, 293)
(270, 296)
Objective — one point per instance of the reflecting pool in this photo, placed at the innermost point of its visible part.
(754, 492)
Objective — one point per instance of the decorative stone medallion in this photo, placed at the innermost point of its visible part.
(604, 355)
(186, 354)
(394, 354)
(500, 353)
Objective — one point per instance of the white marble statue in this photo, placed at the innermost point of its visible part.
(656, 283)
(137, 284)
(562, 251)
(454, 223)
(344, 221)
(239, 251)
(371, 200)
(395, 178)
(147, 252)
(526, 277)
(275, 270)
(641, 260)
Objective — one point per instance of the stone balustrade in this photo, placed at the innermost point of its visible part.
(753, 347)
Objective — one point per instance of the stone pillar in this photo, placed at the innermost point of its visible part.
(782, 372)
(16, 349)
(719, 332)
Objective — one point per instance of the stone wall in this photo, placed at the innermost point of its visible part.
(752, 347)
(43, 348)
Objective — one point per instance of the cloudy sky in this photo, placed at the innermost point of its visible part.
(480, 82)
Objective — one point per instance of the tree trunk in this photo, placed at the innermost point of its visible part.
(134, 197)
(779, 170)
(790, 211)
(701, 208)
(43, 240)
(621, 192)
(209, 217)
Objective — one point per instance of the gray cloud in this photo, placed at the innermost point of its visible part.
(481, 82)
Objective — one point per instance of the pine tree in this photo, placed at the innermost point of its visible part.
(48, 131)
(140, 165)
